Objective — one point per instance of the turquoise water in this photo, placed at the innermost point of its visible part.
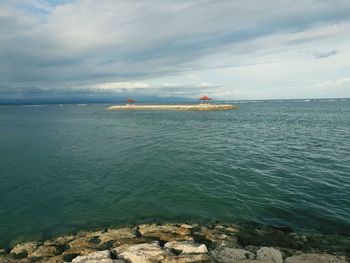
(65, 168)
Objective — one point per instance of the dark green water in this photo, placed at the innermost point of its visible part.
(65, 168)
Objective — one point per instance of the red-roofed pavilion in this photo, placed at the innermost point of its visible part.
(205, 99)
(130, 101)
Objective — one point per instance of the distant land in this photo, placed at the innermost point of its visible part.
(121, 100)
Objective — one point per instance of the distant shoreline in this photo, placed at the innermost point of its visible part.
(4, 102)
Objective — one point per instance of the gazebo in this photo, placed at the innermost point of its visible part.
(130, 101)
(205, 99)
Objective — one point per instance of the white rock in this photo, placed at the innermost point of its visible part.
(269, 254)
(153, 228)
(231, 255)
(97, 257)
(142, 253)
(188, 226)
(186, 247)
(315, 258)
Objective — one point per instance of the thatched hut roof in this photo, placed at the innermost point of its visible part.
(205, 98)
(130, 100)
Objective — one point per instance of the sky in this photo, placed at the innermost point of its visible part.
(227, 49)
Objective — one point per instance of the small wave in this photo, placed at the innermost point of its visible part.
(35, 105)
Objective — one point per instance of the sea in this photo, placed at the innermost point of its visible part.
(65, 168)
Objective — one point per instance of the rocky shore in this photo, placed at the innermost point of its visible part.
(185, 107)
(184, 243)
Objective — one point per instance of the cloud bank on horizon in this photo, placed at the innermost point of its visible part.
(227, 49)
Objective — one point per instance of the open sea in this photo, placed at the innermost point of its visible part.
(65, 168)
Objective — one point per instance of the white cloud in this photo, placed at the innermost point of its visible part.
(121, 85)
(342, 83)
(203, 84)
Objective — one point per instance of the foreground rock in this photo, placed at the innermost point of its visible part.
(186, 247)
(146, 253)
(220, 236)
(47, 251)
(26, 249)
(97, 257)
(315, 258)
(231, 255)
(166, 233)
(183, 243)
(189, 258)
(269, 254)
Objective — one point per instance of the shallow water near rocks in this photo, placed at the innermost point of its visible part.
(65, 168)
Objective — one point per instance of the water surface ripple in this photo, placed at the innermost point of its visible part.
(64, 168)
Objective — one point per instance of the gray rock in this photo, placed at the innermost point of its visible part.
(97, 257)
(130, 241)
(186, 247)
(220, 237)
(252, 248)
(231, 255)
(254, 261)
(142, 253)
(288, 252)
(63, 240)
(269, 254)
(315, 258)
(188, 258)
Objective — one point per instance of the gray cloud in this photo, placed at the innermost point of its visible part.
(31, 94)
(326, 54)
(87, 42)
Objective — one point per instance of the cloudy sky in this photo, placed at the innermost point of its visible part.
(230, 49)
